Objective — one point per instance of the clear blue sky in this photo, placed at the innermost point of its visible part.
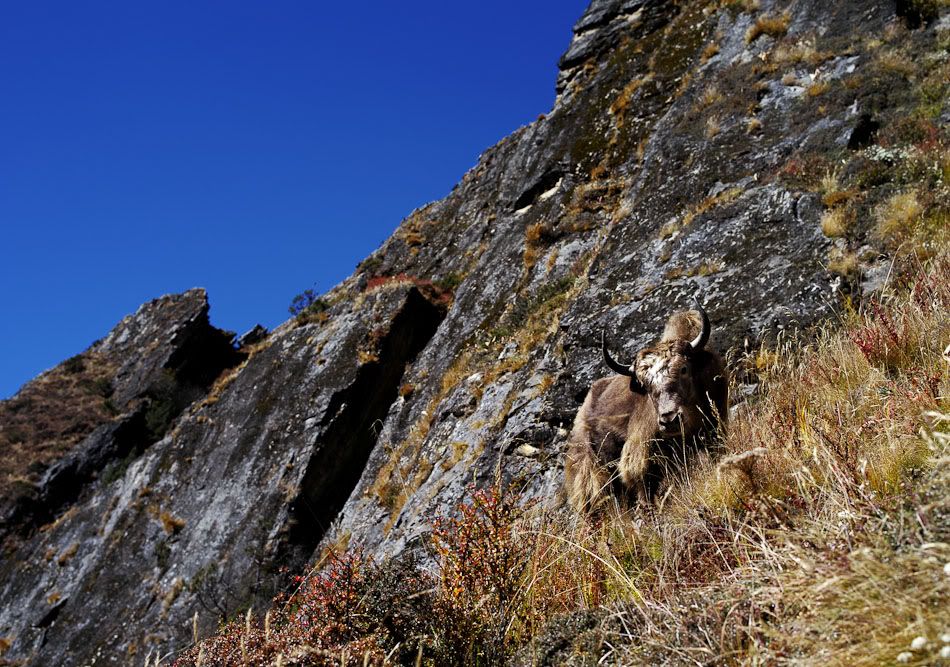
(254, 149)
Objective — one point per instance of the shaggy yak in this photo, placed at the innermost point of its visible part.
(631, 425)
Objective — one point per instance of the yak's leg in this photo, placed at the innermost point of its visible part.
(634, 467)
(587, 482)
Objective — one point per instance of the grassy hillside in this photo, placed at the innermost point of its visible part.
(49, 415)
(821, 534)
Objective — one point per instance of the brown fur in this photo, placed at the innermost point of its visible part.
(617, 447)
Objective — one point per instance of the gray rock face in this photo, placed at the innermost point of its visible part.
(161, 358)
(243, 486)
(462, 347)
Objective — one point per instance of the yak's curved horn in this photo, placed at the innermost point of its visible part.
(700, 341)
(614, 365)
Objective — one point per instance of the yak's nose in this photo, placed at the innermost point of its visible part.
(667, 419)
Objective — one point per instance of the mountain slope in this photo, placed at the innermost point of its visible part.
(752, 153)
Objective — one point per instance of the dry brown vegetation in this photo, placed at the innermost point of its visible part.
(773, 26)
(171, 524)
(49, 416)
(799, 52)
(707, 204)
(708, 53)
(834, 223)
(818, 88)
(819, 535)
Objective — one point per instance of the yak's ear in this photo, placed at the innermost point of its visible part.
(635, 386)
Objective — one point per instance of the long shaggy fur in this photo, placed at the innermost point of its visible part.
(617, 447)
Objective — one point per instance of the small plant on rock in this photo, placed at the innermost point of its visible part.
(307, 302)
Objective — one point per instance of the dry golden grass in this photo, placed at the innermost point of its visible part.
(705, 268)
(168, 599)
(669, 229)
(619, 106)
(709, 267)
(413, 238)
(532, 233)
(530, 257)
(896, 218)
(712, 95)
(599, 172)
(708, 52)
(675, 273)
(596, 195)
(685, 82)
(773, 26)
(834, 223)
(836, 198)
(725, 197)
(896, 62)
(844, 263)
(171, 524)
(794, 54)
(67, 554)
(226, 378)
(829, 183)
(818, 88)
(50, 415)
(366, 357)
(822, 533)
(799, 540)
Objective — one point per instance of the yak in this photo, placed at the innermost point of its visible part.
(672, 400)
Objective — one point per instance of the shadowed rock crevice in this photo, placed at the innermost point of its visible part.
(864, 133)
(202, 354)
(545, 183)
(916, 13)
(351, 429)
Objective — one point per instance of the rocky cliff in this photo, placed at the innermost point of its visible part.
(693, 149)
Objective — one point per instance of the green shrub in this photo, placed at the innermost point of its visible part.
(307, 302)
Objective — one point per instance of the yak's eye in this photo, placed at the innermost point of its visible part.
(683, 370)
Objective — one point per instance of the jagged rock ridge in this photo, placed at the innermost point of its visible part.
(680, 158)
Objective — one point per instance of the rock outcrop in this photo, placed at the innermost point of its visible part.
(682, 157)
(84, 417)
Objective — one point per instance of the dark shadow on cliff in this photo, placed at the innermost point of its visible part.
(352, 422)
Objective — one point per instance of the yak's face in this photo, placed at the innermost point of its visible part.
(667, 375)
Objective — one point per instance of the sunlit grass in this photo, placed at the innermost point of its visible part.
(818, 534)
